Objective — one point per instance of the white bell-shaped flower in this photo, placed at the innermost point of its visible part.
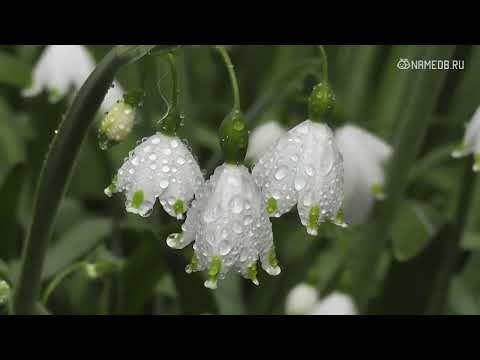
(471, 141)
(303, 168)
(230, 227)
(159, 167)
(262, 137)
(364, 157)
(304, 299)
(62, 67)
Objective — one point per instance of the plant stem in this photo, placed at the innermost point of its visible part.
(324, 64)
(233, 78)
(59, 278)
(58, 166)
(366, 251)
(451, 250)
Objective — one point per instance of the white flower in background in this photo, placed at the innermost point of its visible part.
(303, 299)
(62, 67)
(364, 157)
(262, 137)
(230, 227)
(471, 141)
(159, 167)
(303, 168)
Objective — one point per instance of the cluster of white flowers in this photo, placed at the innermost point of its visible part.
(228, 219)
(62, 68)
(304, 299)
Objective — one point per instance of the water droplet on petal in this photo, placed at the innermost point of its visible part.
(299, 183)
(281, 173)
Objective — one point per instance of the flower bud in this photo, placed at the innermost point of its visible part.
(118, 123)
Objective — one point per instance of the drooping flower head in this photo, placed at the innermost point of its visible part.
(160, 167)
(304, 168)
(364, 157)
(228, 221)
(230, 227)
(303, 299)
(471, 141)
(63, 67)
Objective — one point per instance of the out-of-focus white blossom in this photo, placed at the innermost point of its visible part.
(303, 299)
(230, 227)
(364, 157)
(63, 67)
(159, 167)
(303, 168)
(471, 141)
(262, 137)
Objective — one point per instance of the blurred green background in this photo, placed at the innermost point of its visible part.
(142, 276)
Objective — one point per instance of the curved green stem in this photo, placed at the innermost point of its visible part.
(231, 73)
(59, 278)
(173, 69)
(324, 64)
(58, 167)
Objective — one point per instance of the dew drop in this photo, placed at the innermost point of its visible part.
(281, 173)
(164, 184)
(299, 183)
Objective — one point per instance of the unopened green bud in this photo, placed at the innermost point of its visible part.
(234, 137)
(321, 103)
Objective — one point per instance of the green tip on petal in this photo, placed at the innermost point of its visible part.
(112, 188)
(272, 257)
(458, 151)
(272, 206)
(5, 292)
(178, 209)
(213, 272)
(137, 199)
(54, 96)
(340, 219)
(312, 228)
(252, 273)
(377, 191)
(476, 164)
(174, 241)
(193, 266)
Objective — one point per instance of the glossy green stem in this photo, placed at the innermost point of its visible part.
(233, 78)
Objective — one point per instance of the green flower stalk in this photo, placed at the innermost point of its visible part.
(233, 130)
